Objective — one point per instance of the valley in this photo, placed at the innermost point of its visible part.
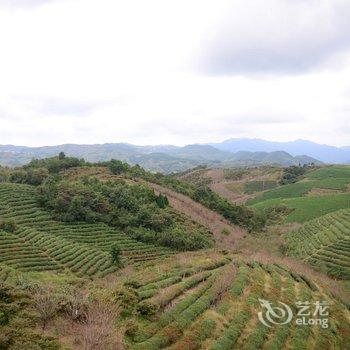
(136, 260)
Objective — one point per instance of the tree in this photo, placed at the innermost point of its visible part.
(117, 166)
(162, 201)
(19, 176)
(37, 176)
(4, 174)
(116, 254)
(61, 156)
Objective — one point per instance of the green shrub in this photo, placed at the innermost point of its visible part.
(225, 232)
(292, 174)
(8, 225)
(4, 318)
(276, 212)
(117, 167)
(127, 298)
(147, 308)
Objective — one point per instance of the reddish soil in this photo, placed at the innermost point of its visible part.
(213, 221)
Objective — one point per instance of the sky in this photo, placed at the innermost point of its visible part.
(174, 72)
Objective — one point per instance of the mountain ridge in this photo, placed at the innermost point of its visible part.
(323, 152)
(158, 158)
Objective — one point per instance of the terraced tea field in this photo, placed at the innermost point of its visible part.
(325, 243)
(215, 306)
(333, 178)
(41, 243)
(308, 208)
(322, 191)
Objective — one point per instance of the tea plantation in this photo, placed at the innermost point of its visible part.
(216, 307)
(40, 243)
(325, 243)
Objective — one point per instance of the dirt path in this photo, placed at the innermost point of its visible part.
(236, 198)
(213, 221)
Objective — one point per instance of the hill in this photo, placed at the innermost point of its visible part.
(319, 192)
(197, 301)
(218, 308)
(324, 243)
(40, 243)
(135, 260)
(165, 159)
(325, 153)
(245, 158)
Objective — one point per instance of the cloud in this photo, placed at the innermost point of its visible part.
(276, 37)
(58, 106)
(14, 4)
(113, 74)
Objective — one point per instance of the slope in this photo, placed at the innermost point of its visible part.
(216, 307)
(206, 217)
(324, 243)
(41, 243)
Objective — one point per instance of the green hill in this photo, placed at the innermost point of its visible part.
(320, 191)
(307, 208)
(325, 243)
(40, 243)
(331, 178)
(102, 256)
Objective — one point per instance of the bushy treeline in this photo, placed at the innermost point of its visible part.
(293, 173)
(37, 171)
(133, 208)
(237, 214)
(56, 164)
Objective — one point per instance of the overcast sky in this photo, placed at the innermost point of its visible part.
(174, 72)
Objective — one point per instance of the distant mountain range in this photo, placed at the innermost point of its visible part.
(324, 153)
(162, 158)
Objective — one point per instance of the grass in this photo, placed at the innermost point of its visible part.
(334, 171)
(294, 196)
(301, 188)
(308, 208)
(257, 186)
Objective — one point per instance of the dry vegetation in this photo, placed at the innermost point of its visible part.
(213, 221)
